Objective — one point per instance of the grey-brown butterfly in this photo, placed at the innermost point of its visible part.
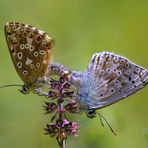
(30, 50)
(108, 79)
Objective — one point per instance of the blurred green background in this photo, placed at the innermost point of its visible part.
(80, 28)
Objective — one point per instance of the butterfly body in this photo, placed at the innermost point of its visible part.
(30, 50)
(108, 79)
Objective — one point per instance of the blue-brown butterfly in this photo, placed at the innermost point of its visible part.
(108, 79)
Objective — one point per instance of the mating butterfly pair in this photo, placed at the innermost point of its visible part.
(108, 78)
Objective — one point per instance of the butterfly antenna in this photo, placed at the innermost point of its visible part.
(102, 117)
(9, 85)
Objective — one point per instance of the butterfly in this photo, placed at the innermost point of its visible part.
(30, 51)
(108, 79)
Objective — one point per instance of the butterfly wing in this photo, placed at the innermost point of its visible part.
(30, 50)
(108, 79)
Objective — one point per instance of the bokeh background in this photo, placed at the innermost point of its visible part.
(80, 28)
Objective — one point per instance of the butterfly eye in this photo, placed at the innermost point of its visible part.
(91, 113)
(25, 89)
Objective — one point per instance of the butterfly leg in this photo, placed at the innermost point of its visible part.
(57, 69)
(41, 84)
